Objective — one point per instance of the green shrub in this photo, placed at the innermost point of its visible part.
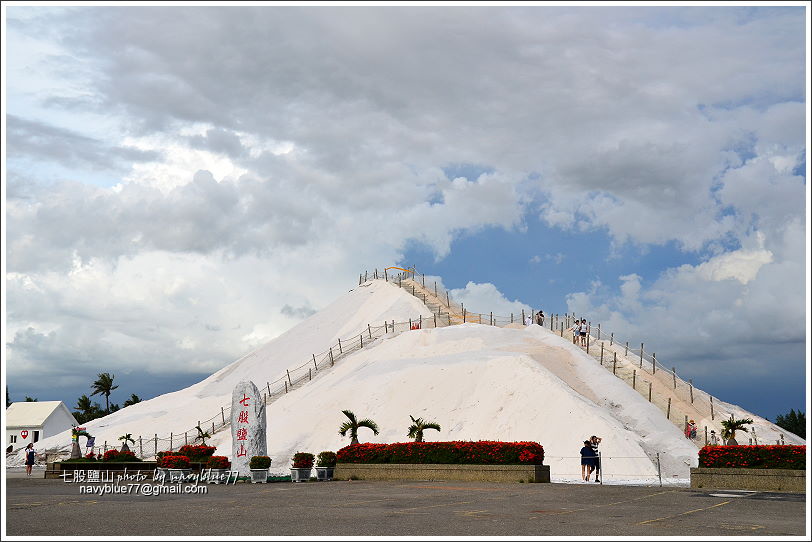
(259, 462)
(326, 459)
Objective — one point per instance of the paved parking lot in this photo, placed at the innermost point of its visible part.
(36, 506)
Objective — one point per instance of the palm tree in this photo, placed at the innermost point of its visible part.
(132, 400)
(731, 426)
(353, 424)
(104, 385)
(85, 410)
(125, 438)
(418, 426)
(202, 435)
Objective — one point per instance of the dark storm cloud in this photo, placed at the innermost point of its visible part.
(41, 141)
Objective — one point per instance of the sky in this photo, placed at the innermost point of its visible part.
(182, 184)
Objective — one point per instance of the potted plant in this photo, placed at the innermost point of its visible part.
(160, 471)
(218, 466)
(325, 465)
(177, 465)
(259, 466)
(302, 465)
(125, 439)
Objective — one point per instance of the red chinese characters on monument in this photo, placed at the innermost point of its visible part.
(242, 432)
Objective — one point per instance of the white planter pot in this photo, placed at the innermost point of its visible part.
(324, 473)
(259, 476)
(300, 475)
(178, 475)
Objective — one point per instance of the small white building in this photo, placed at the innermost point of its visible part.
(30, 421)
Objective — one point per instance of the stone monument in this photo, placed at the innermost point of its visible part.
(248, 426)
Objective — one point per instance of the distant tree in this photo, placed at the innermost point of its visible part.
(418, 426)
(104, 385)
(8, 398)
(729, 428)
(132, 400)
(87, 410)
(30, 399)
(353, 425)
(794, 422)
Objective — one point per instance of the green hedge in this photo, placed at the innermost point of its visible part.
(455, 452)
(753, 457)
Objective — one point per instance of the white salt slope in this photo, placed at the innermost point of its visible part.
(478, 385)
(180, 411)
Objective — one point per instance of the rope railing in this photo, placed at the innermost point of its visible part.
(146, 447)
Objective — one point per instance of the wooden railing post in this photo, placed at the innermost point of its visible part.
(634, 379)
(614, 364)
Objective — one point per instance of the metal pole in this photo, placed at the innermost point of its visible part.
(314, 365)
(634, 379)
(369, 328)
(614, 364)
(223, 412)
(641, 355)
(612, 339)
(331, 357)
(156, 443)
(654, 363)
(626, 353)
(691, 388)
(711, 402)
(339, 346)
(706, 435)
(186, 438)
(435, 319)
(668, 413)
(170, 441)
(289, 380)
(447, 301)
(601, 354)
(491, 317)
(310, 374)
(674, 373)
(600, 467)
(649, 392)
(286, 387)
(140, 446)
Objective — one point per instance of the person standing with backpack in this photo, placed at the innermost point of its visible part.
(594, 442)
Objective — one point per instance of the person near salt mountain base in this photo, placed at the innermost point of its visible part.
(690, 430)
(30, 458)
(528, 320)
(583, 331)
(540, 318)
(576, 331)
(588, 461)
(594, 442)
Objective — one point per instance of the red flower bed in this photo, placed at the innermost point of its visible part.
(218, 462)
(482, 452)
(115, 455)
(753, 457)
(174, 462)
(197, 454)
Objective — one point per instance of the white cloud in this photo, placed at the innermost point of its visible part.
(241, 150)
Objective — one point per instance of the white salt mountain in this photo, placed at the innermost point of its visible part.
(479, 382)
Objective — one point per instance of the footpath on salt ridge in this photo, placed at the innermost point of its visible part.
(479, 382)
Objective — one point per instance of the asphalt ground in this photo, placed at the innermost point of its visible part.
(36, 506)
